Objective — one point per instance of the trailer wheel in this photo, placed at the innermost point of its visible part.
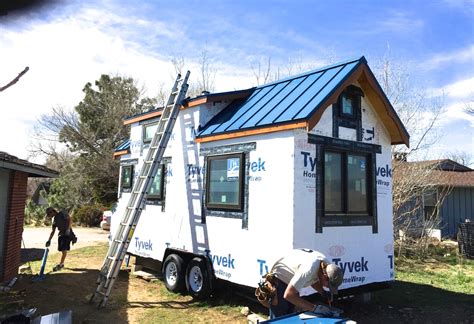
(174, 275)
(199, 278)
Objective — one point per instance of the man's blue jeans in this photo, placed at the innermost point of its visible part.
(283, 307)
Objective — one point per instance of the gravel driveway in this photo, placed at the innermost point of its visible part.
(34, 239)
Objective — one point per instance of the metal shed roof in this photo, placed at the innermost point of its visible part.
(299, 101)
(284, 101)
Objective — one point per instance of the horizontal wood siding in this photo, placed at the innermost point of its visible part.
(14, 226)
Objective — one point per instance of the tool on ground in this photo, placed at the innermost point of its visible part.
(41, 276)
(119, 245)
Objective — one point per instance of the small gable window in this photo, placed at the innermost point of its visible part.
(349, 102)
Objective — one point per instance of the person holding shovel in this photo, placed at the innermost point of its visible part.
(303, 268)
(62, 222)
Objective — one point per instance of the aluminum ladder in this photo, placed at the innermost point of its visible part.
(119, 245)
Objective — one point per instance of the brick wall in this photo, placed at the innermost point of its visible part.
(14, 225)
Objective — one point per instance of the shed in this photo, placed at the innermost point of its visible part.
(454, 184)
(14, 174)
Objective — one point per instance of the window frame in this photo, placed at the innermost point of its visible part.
(126, 187)
(239, 207)
(323, 143)
(159, 197)
(345, 184)
(145, 140)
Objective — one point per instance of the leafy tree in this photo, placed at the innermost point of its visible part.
(91, 132)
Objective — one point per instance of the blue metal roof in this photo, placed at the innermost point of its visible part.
(125, 145)
(289, 100)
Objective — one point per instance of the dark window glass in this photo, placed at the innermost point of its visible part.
(357, 183)
(149, 132)
(348, 105)
(224, 181)
(156, 189)
(346, 188)
(127, 176)
(332, 182)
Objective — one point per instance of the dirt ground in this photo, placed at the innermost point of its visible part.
(135, 300)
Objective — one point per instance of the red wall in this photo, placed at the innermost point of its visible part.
(14, 225)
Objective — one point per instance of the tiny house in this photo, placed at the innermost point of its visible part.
(247, 176)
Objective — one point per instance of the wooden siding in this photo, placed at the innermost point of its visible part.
(457, 207)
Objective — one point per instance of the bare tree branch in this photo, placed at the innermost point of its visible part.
(15, 80)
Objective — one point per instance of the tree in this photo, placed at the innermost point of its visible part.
(420, 113)
(91, 132)
(207, 73)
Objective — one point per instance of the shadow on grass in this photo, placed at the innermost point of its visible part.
(408, 302)
(70, 289)
(31, 254)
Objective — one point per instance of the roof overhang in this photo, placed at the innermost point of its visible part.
(366, 79)
(32, 171)
(213, 97)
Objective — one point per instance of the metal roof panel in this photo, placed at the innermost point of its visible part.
(260, 105)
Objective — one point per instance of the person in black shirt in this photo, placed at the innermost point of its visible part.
(62, 222)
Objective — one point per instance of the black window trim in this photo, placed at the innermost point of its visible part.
(240, 206)
(122, 177)
(144, 139)
(345, 189)
(323, 143)
(162, 186)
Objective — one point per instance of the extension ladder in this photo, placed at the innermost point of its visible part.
(119, 245)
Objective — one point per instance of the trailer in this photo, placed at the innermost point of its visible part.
(249, 175)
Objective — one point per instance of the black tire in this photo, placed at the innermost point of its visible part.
(173, 273)
(199, 278)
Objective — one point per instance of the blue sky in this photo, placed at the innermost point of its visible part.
(69, 43)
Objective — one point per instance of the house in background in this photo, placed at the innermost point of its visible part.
(451, 194)
(14, 174)
(37, 197)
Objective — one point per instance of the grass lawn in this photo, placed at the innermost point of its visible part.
(438, 290)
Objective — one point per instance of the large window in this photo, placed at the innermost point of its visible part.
(148, 132)
(127, 176)
(346, 183)
(157, 187)
(224, 185)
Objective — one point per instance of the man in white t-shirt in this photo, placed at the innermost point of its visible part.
(300, 269)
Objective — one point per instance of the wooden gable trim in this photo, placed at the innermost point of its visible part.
(375, 95)
(120, 153)
(142, 117)
(257, 131)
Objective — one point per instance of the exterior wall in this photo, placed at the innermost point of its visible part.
(280, 202)
(457, 207)
(4, 194)
(14, 225)
(347, 245)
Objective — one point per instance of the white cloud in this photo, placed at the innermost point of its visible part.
(457, 90)
(460, 56)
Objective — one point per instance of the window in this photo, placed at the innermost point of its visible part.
(127, 176)
(346, 184)
(157, 187)
(430, 202)
(225, 179)
(148, 132)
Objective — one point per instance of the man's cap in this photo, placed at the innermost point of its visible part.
(335, 276)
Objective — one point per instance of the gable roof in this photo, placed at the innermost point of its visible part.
(11, 162)
(443, 172)
(300, 101)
